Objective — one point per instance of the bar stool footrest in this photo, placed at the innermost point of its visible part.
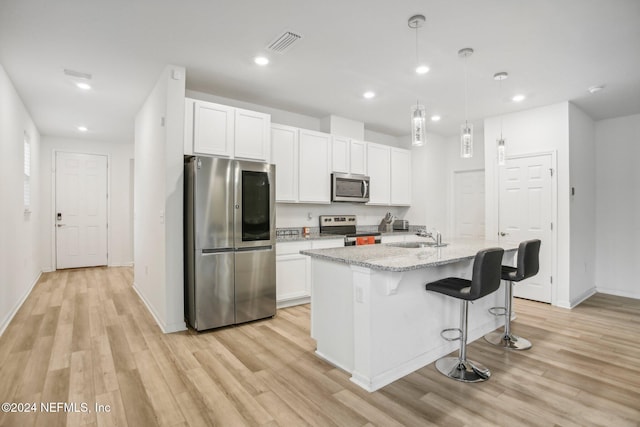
(445, 331)
(498, 311)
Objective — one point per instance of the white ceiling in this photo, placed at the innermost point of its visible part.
(553, 51)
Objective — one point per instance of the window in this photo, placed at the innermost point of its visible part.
(27, 173)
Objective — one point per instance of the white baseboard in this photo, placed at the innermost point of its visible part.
(574, 302)
(293, 301)
(167, 329)
(9, 317)
(121, 264)
(619, 293)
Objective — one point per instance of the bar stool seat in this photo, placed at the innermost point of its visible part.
(484, 280)
(527, 266)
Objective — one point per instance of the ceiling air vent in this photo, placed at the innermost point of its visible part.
(283, 42)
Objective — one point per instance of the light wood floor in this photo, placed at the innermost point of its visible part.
(83, 336)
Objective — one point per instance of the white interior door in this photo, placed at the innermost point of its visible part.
(526, 213)
(81, 210)
(468, 204)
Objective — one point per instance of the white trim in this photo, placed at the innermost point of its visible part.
(7, 320)
(290, 302)
(54, 249)
(167, 329)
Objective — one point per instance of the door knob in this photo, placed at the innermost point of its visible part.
(61, 225)
(502, 234)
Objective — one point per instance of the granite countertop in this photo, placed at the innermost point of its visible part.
(318, 236)
(387, 257)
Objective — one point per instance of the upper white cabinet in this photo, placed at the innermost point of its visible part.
(213, 128)
(314, 167)
(220, 130)
(358, 157)
(400, 176)
(341, 154)
(379, 167)
(349, 155)
(284, 154)
(251, 135)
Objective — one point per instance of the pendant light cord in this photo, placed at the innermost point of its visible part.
(501, 115)
(466, 84)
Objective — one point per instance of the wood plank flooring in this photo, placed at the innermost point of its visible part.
(84, 336)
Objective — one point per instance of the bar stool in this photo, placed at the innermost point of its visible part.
(528, 265)
(484, 280)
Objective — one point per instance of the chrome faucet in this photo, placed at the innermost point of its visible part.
(430, 234)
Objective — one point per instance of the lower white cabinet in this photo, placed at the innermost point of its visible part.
(293, 270)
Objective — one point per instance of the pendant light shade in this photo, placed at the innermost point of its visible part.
(418, 125)
(466, 130)
(466, 141)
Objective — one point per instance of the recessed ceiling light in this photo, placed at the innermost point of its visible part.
(518, 98)
(83, 85)
(422, 69)
(369, 94)
(594, 89)
(261, 60)
(435, 118)
(82, 128)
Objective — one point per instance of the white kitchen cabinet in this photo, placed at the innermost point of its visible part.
(314, 167)
(357, 157)
(251, 135)
(400, 177)
(213, 129)
(341, 154)
(293, 270)
(379, 171)
(293, 274)
(349, 155)
(284, 154)
(223, 131)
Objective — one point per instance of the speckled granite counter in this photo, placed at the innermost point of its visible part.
(390, 258)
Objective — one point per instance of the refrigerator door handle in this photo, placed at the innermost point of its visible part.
(217, 250)
(255, 248)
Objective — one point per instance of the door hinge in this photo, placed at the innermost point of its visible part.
(551, 171)
(551, 226)
(551, 279)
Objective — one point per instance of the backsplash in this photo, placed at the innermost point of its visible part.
(289, 215)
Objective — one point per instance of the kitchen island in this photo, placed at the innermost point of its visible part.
(371, 315)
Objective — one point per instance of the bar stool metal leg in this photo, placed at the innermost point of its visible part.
(459, 368)
(505, 338)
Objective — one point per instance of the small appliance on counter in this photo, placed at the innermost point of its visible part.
(401, 225)
(346, 225)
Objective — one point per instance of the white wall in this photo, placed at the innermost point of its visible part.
(19, 232)
(617, 232)
(119, 233)
(582, 205)
(542, 129)
(158, 200)
(429, 189)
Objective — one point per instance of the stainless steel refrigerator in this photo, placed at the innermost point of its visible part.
(230, 264)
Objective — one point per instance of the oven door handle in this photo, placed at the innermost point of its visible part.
(365, 187)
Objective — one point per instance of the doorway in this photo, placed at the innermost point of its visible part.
(526, 211)
(80, 210)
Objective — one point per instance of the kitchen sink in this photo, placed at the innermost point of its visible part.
(416, 245)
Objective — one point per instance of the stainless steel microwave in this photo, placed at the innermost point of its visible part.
(349, 188)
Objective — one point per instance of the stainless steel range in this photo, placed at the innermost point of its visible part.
(346, 225)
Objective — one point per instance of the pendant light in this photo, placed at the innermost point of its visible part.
(500, 141)
(466, 130)
(418, 112)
